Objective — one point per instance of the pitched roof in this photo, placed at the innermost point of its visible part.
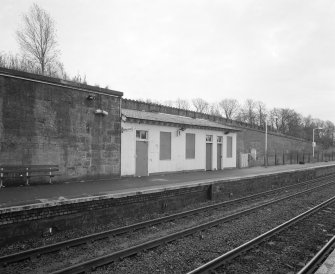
(173, 119)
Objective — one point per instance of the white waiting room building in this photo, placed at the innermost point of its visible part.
(154, 142)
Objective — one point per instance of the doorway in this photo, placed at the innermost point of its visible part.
(219, 157)
(219, 140)
(141, 158)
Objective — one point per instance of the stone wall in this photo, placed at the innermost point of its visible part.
(50, 121)
(248, 139)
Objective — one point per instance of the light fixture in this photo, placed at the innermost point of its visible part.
(123, 118)
(101, 112)
(90, 97)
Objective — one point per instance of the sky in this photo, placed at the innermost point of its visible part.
(281, 52)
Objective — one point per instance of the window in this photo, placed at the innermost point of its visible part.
(209, 138)
(219, 139)
(229, 147)
(190, 146)
(142, 134)
(165, 146)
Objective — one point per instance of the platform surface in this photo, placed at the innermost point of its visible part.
(39, 194)
(328, 266)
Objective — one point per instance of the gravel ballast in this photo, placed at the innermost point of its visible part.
(183, 255)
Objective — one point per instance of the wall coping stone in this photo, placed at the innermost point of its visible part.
(57, 82)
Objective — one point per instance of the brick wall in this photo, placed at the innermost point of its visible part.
(50, 121)
(33, 221)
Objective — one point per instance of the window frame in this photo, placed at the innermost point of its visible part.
(209, 138)
(140, 135)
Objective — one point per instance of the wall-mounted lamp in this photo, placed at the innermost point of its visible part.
(101, 112)
(226, 132)
(90, 97)
(182, 129)
(123, 118)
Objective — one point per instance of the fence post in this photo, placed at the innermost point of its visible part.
(283, 158)
(27, 176)
(275, 157)
(297, 157)
(309, 157)
(291, 158)
(303, 156)
(50, 174)
(1, 177)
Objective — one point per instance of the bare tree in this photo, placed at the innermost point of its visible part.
(37, 38)
(16, 62)
(182, 104)
(168, 103)
(260, 113)
(200, 105)
(328, 138)
(230, 107)
(213, 109)
(247, 112)
(274, 116)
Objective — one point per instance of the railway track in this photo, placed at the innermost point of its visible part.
(92, 264)
(246, 256)
(319, 258)
(37, 252)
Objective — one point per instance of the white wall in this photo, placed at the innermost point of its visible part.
(178, 160)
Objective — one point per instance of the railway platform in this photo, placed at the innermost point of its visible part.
(116, 188)
(328, 266)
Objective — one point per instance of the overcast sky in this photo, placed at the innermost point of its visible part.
(281, 52)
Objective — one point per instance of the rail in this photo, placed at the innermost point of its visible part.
(8, 259)
(210, 266)
(92, 264)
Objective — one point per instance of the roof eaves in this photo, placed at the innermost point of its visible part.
(219, 127)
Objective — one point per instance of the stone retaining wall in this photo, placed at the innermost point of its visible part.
(51, 121)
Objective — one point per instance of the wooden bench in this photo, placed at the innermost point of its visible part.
(26, 172)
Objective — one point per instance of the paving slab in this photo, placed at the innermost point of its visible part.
(328, 266)
(114, 188)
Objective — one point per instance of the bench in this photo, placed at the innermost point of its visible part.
(26, 172)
